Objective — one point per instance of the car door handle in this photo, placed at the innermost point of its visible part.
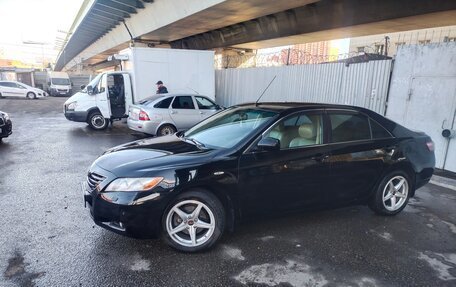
(320, 157)
(172, 112)
(201, 113)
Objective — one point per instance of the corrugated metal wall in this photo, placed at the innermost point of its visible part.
(363, 84)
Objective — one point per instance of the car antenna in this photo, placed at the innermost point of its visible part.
(256, 103)
(193, 90)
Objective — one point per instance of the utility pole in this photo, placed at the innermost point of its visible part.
(386, 45)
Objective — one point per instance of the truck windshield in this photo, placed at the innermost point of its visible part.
(60, 81)
(228, 128)
(93, 83)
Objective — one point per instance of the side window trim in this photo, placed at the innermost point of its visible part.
(380, 125)
(348, 112)
(322, 112)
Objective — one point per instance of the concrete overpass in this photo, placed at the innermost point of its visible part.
(105, 27)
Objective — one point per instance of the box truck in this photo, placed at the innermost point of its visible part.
(58, 84)
(108, 96)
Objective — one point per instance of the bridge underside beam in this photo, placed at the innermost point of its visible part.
(337, 18)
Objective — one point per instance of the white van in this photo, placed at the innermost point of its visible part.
(58, 84)
(108, 96)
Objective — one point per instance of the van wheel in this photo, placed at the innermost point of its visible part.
(392, 194)
(97, 122)
(31, 95)
(1, 96)
(166, 130)
(194, 221)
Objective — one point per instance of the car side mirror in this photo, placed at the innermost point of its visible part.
(89, 90)
(269, 144)
(72, 84)
(82, 87)
(49, 83)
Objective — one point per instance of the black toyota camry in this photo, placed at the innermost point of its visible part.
(255, 159)
(6, 127)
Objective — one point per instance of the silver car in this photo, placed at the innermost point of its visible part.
(168, 113)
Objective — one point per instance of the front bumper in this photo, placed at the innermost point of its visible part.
(76, 116)
(134, 214)
(54, 92)
(6, 129)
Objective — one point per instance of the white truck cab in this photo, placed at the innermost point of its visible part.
(109, 95)
(105, 98)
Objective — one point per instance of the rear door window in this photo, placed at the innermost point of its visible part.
(347, 127)
(183, 102)
(378, 132)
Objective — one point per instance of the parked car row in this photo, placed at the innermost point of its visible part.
(17, 89)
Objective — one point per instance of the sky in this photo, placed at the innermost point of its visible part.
(34, 20)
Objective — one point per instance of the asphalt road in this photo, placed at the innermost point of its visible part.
(47, 238)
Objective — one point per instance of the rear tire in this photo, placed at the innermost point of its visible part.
(97, 122)
(31, 95)
(194, 222)
(166, 130)
(392, 194)
(1, 96)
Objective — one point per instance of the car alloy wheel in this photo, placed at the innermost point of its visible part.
(166, 130)
(31, 95)
(190, 223)
(395, 193)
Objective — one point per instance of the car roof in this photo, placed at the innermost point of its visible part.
(284, 106)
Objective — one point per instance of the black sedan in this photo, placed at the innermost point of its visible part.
(255, 159)
(6, 127)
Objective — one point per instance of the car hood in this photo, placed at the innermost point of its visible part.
(143, 157)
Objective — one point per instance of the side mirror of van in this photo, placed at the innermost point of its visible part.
(82, 87)
(49, 83)
(72, 84)
(89, 90)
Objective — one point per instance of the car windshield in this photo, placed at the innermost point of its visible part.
(60, 81)
(228, 128)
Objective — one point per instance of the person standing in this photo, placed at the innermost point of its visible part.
(161, 89)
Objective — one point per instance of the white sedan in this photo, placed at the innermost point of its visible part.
(13, 88)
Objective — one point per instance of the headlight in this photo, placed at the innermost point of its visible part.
(72, 106)
(6, 116)
(134, 184)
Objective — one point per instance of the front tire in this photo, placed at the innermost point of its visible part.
(194, 221)
(97, 122)
(31, 95)
(392, 194)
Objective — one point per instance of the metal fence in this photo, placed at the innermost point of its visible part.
(362, 84)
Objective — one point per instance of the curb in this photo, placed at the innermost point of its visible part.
(443, 182)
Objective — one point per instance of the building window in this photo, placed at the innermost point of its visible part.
(424, 42)
(360, 49)
(449, 39)
(379, 49)
(399, 44)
